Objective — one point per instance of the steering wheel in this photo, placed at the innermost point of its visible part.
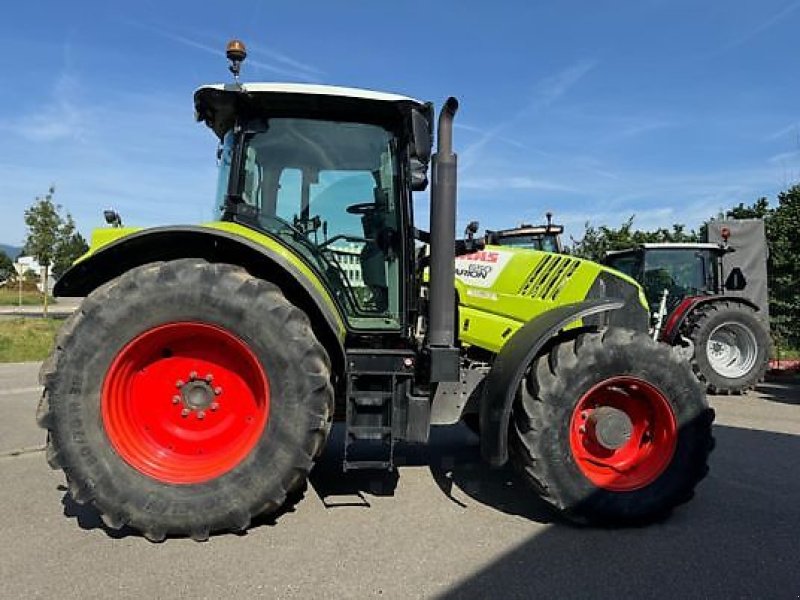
(362, 208)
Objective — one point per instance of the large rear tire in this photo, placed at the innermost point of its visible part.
(731, 346)
(184, 398)
(611, 427)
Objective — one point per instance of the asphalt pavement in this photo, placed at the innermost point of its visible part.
(445, 527)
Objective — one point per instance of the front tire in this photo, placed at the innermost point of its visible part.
(611, 427)
(186, 397)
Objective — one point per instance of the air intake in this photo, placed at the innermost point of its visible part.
(549, 277)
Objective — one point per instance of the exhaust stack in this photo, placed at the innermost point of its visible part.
(442, 302)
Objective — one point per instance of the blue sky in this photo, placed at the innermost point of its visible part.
(670, 110)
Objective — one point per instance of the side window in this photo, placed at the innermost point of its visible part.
(224, 173)
(251, 193)
(288, 198)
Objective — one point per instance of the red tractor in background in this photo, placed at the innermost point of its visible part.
(709, 300)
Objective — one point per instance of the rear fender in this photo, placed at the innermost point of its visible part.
(500, 385)
(216, 246)
(671, 331)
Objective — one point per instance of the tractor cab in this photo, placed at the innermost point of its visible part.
(328, 171)
(682, 270)
(532, 237)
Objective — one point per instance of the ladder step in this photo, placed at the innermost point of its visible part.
(371, 398)
(368, 433)
(354, 465)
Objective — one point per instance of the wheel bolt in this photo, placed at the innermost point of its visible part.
(584, 414)
(201, 415)
(209, 378)
(581, 429)
(185, 412)
(217, 390)
(214, 406)
(176, 399)
(179, 383)
(193, 375)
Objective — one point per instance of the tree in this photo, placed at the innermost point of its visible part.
(758, 210)
(783, 225)
(43, 222)
(70, 246)
(597, 241)
(52, 239)
(6, 267)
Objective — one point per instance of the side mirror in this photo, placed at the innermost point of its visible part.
(421, 144)
(421, 132)
(112, 218)
(419, 175)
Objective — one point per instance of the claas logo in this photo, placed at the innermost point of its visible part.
(482, 256)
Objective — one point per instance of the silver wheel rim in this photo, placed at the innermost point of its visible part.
(732, 350)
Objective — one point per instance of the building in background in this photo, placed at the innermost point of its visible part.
(349, 256)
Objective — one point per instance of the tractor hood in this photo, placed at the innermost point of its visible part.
(500, 288)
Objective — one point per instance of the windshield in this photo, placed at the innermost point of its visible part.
(629, 263)
(682, 272)
(329, 191)
(548, 243)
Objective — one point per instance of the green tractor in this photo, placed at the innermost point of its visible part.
(199, 380)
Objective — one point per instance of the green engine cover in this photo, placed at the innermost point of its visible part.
(501, 288)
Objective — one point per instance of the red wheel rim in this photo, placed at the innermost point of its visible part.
(636, 458)
(185, 402)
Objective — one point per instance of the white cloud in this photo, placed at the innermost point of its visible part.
(793, 128)
(784, 157)
(276, 62)
(551, 88)
(769, 23)
(512, 183)
(61, 117)
(546, 92)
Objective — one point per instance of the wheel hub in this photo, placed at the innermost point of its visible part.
(610, 427)
(732, 350)
(197, 395)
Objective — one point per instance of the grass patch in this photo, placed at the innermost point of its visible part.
(23, 340)
(9, 297)
(786, 353)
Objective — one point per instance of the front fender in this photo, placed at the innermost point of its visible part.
(218, 242)
(500, 386)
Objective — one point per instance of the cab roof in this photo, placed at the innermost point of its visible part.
(310, 88)
(217, 104)
(525, 229)
(667, 246)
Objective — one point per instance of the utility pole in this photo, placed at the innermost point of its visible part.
(19, 268)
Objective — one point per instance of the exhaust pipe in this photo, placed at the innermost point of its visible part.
(442, 298)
